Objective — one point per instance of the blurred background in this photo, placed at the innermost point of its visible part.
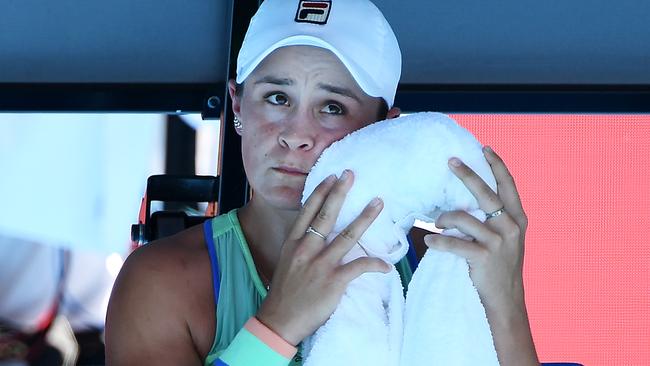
(70, 189)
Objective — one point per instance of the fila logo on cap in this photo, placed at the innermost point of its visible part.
(315, 12)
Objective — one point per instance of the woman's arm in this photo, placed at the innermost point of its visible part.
(495, 258)
(162, 312)
(145, 323)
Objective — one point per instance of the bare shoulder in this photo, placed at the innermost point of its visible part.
(162, 309)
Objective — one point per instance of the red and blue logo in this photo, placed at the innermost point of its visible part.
(315, 12)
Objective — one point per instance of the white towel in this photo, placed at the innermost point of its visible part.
(403, 161)
(445, 323)
(366, 327)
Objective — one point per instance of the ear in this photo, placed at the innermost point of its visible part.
(393, 113)
(236, 102)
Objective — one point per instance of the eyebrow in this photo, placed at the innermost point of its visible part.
(274, 80)
(269, 79)
(340, 90)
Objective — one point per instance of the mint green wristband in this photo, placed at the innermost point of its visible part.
(248, 350)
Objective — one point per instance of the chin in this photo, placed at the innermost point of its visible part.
(285, 198)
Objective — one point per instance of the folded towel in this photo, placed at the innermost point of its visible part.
(445, 323)
(366, 327)
(403, 161)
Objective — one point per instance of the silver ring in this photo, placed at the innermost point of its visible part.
(315, 232)
(494, 214)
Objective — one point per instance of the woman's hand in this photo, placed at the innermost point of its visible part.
(494, 253)
(309, 280)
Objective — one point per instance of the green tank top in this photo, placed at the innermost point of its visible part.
(239, 291)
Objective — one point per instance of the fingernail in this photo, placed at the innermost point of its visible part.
(330, 178)
(488, 149)
(455, 162)
(345, 175)
(375, 202)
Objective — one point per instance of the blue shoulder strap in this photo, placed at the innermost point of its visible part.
(214, 262)
(411, 257)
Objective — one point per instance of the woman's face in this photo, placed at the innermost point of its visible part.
(297, 102)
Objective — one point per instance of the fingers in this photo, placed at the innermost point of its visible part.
(483, 237)
(353, 232)
(500, 234)
(506, 186)
(325, 218)
(487, 199)
(359, 266)
(470, 250)
(468, 225)
(311, 207)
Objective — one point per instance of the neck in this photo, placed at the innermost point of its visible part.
(265, 228)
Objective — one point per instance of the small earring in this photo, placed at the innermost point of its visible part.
(237, 123)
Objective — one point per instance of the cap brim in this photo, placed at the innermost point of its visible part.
(304, 40)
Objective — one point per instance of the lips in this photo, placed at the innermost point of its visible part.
(290, 171)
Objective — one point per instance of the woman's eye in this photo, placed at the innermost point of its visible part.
(332, 109)
(277, 99)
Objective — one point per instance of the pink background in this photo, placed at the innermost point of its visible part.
(585, 185)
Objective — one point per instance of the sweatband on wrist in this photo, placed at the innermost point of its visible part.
(257, 345)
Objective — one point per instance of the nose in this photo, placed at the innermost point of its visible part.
(298, 133)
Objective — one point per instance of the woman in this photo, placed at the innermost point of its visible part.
(309, 73)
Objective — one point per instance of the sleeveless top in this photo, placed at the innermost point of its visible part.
(236, 281)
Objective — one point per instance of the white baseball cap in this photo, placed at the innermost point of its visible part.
(354, 30)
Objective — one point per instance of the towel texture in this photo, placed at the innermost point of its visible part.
(404, 161)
